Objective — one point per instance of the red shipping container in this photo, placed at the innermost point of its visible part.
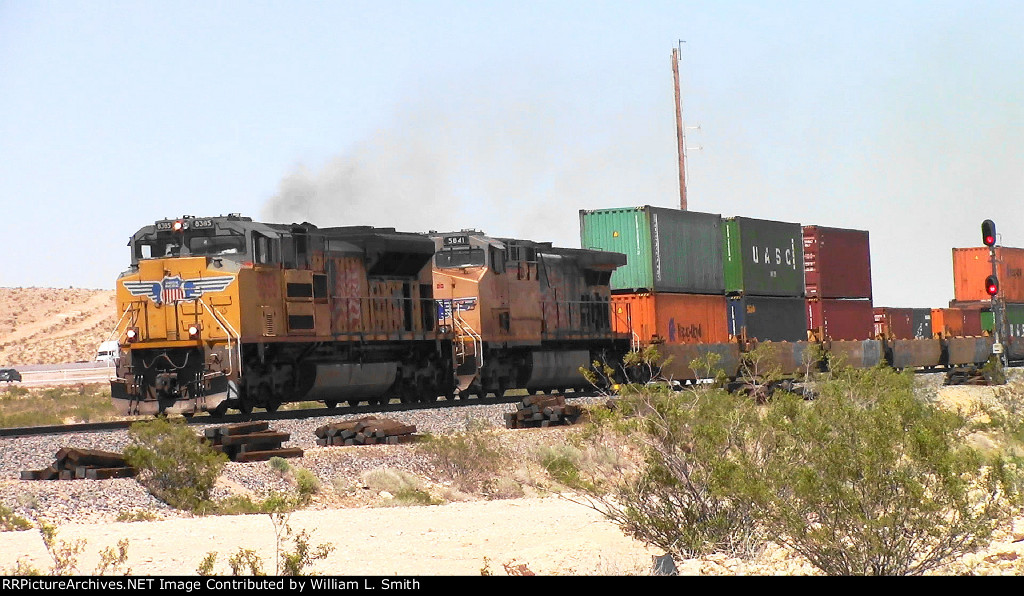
(837, 263)
(894, 323)
(840, 319)
(671, 318)
(972, 265)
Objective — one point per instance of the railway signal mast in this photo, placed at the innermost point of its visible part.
(988, 237)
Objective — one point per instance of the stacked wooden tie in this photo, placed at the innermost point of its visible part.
(250, 441)
(365, 431)
(74, 463)
(542, 411)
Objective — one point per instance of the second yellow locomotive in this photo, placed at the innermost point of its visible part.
(524, 314)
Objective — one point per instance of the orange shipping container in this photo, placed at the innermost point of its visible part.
(950, 322)
(972, 265)
(672, 318)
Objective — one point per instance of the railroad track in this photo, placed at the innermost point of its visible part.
(61, 429)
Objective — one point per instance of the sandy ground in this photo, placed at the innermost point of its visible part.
(550, 536)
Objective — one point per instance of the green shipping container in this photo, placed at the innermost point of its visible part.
(763, 257)
(667, 250)
(1014, 320)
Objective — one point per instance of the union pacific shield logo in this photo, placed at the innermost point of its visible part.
(175, 289)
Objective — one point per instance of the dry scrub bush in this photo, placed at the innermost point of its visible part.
(870, 480)
(865, 479)
(470, 460)
(173, 463)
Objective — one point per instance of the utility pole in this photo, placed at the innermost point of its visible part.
(680, 133)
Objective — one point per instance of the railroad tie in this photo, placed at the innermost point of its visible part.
(367, 430)
(74, 463)
(250, 441)
(542, 411)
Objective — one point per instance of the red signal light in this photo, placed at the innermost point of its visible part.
(988, 232)
(991, 285)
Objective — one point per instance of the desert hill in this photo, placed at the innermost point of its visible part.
(53, 325)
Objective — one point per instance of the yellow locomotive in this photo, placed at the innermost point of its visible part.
(224, 312)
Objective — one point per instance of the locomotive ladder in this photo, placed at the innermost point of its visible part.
(463, 330)
(230, 332)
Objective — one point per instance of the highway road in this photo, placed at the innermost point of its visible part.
(64, 374)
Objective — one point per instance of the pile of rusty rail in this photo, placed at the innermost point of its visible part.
(250, 441)
(73, 463)
(368, 430)
(542, 411)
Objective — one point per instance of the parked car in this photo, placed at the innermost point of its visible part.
(10, 375)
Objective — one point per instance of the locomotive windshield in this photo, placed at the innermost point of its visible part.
(460, 257)
(216, 245)
(165, 245)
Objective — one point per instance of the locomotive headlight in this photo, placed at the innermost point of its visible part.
(193, 331)
(132, 334)
(178, 225)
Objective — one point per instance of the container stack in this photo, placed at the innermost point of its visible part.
(837, 272)
(671, 289)
(764, 279)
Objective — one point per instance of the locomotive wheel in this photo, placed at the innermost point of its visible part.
(407, 394)
(331, 404)
(244, 407)
(220, 410)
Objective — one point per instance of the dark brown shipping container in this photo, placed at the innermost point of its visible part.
(837, 263)
(840, 319)
(894, 323)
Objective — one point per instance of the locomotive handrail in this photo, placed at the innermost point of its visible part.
(118, 324)
(478, 342)
(229, 330)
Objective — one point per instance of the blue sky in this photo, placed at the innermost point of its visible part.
(902, 118)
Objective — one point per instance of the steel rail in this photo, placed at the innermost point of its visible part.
(323, 412)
